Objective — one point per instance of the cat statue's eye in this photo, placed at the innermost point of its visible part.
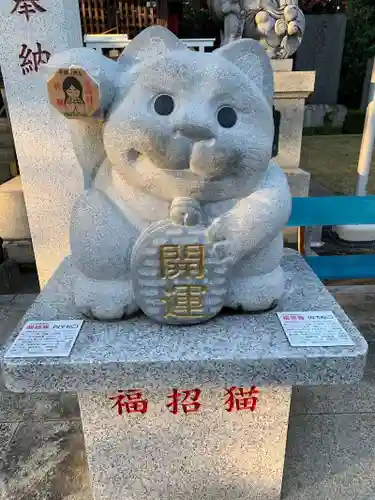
(227, 117)
(164, 105)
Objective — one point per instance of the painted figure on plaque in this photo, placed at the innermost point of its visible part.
(183, 207)
(73, 91)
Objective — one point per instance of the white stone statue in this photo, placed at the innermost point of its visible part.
(278, 24)
(183, 208)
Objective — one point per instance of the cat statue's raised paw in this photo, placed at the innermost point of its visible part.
(183, 207)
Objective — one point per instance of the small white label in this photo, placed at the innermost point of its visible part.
(314, 328)
(39, 339)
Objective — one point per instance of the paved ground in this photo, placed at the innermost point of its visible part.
(331, 441)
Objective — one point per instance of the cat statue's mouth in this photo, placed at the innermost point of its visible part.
(193, 134)
(182, 154)
(210, 175)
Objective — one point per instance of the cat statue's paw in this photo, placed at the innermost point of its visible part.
(104, 300)
(225, 240)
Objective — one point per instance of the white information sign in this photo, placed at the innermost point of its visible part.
(39, 339)
(314, 328)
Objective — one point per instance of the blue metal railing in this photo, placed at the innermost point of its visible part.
(336, 210)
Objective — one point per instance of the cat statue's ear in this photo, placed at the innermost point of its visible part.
(252, 60)
(150, 44)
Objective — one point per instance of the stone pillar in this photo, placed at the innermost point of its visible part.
(210, 454)
(291, 90)
(51, 176)
(282, 64)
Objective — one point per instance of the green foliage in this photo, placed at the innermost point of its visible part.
(359, 47)
(322, 6)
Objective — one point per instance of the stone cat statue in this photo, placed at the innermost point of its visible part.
(177, 125)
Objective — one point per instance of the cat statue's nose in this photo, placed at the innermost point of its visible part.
(194, 132)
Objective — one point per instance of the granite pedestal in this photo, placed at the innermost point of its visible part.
(166, 452)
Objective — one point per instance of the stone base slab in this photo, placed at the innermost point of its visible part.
(231, 348)
(208, 455)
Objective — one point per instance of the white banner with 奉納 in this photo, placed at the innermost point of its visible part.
(31, 33)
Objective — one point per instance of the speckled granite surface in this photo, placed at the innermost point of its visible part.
(208, 455)
(239, 348)
(315, 469)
